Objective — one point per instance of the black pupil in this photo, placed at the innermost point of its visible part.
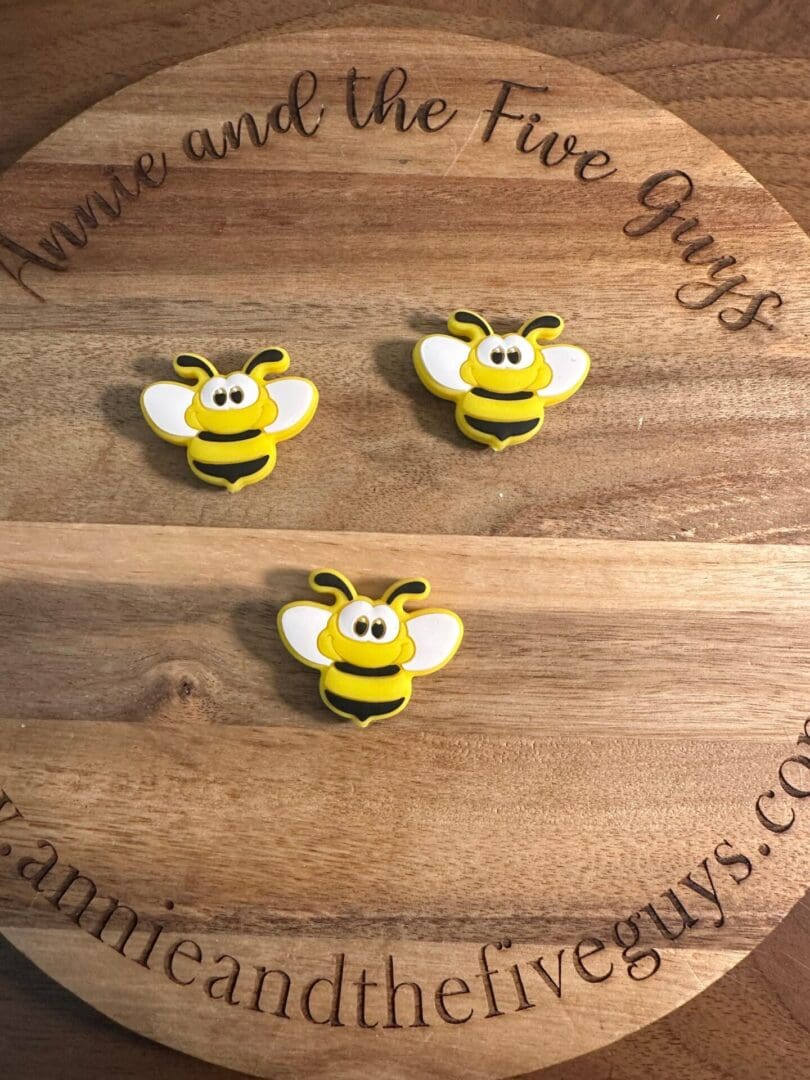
(378, 628)
(361, 626)
(220, 397)
(236, 395)
(497, 356)
(514, 355)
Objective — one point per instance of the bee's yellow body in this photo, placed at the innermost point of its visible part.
(484, 415)
(501, 386)
(368, 651)
(365, 695)
(240, 459)
(230, 424)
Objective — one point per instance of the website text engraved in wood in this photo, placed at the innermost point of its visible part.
(342, 996)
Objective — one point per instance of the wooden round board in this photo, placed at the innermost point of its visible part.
(597, 808)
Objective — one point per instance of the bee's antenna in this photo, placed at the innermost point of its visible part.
(275, 356)
(468, 324)
(188, 365)
(546, 327)
(330, 581)
(401, 590)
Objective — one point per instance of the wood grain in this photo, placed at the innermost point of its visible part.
(754, 1006)
(348, 284)
(737, 74)
(156, 733)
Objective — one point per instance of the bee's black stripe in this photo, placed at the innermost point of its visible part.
(233, 471)
(518, 395)
(374, 672)
(213, 436)
(502, 430)
(361, 710)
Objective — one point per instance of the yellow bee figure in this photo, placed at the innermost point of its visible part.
(368, 651)
(230, 424)
(501, 384)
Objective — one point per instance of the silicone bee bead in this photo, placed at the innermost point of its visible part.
(368, 651)
(501, 385)
(230, 424)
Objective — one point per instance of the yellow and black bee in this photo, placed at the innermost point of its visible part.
(368, 651)
(230, 424)
(501, 385)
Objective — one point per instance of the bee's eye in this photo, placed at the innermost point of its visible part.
(497, 355)
(220, 397)
(519, 351)
(241, 390)
(354, 619)
(378, 628)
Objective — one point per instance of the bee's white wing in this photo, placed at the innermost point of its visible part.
(300, 626)
(569, 365)
(295, 400)
(164, 405)
(438, 359)
(436, 635)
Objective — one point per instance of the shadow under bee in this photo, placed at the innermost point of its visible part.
(120, 405)
(255, 622)
(393, 359)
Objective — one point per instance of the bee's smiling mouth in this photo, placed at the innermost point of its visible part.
(374, 672)
(516, 395)
(237, 436)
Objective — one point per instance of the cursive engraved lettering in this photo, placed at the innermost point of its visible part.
(546, 145)
(388, 99)
(284, 116)
(147, 172)
(665, 193)
(498, 110)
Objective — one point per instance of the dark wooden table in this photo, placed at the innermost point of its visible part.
(737, 71)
